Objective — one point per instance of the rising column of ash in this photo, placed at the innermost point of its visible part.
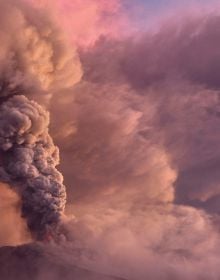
(34, 59)
(29, 160)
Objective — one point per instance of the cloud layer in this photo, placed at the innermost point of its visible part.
(140, 142)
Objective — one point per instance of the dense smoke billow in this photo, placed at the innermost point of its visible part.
(33, 60)
(136, 118)
(29, 160)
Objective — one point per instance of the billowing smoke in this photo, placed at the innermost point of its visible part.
(28, 164)
(34, 61)
(140, 152)
(139, 138)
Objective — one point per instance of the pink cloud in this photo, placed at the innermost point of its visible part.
(85, 21)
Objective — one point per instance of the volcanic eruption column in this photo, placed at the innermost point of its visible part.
(29, 160)
(33, 59)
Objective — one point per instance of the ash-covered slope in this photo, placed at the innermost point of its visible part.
(32, 262)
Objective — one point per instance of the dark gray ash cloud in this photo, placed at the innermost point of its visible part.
(34, 62)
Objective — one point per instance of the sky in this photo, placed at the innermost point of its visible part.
(147, 13)
(109, 135)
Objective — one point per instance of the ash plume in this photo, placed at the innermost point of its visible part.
(139, 138)
(29, 160)
(34, 62)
